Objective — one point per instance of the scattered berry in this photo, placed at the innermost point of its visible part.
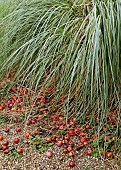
(71, 132)
(71, 163)
(5, 143)
(18, 129)
(1, 137)
(89, 151)
(60, 143)
(49, 154)
(19, 150)
(16, 140)
(6, 129)
(27, 135)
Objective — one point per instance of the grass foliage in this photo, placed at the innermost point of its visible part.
(6, 7)
(72, 45)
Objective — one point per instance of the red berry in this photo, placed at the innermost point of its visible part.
(71, 121)
(107, 138)
(13, 89)
(27, 135)
(10, 106)
(16, 119)
(71, 163)
(69, 148)
(3, 105)
(18, 87)
(85, 143)
(28, 122)
(76, 130)
(49, 139)
(45, 122)
(37, 103)
(1, 108)
(40, 96)
(109, 154)
(61, 100)
(43, 100)
(14, 98)
(65, 150)
(70, 142)
(19, 100)
(38, 131)
(23, 91)
(82, 140)
(18, 129)
(16, 140)
(6, 129)
(4, 147)
(67, 137)
(19, 150)
(49, 154)
(71, 153)
(89, 151)
(60, 143)
(68, 126)
(61, 118)
(94, 137)
(82, 134)
(54, 117)
(111, 119)
(40, 117)
(34, 121)
(5, 142)
(55, 109)
(44, 112)
(9, 102)
(18, 108)
(1, 137)
(6, 151)
(58, 139)
(103, 153)
(12, 102)
(64, 123)
(71, 132)
(53, 90)
(61, 127)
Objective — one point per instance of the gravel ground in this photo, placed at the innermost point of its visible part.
(33, 160)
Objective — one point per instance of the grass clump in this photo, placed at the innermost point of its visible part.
(72, 45)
